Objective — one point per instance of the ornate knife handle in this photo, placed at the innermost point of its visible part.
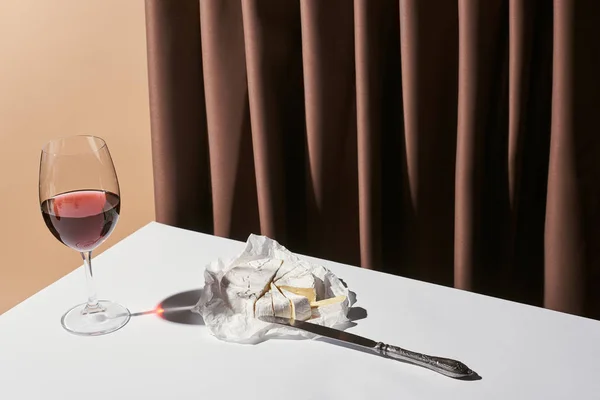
(444, 366)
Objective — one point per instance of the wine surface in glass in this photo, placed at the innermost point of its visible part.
(82, 219)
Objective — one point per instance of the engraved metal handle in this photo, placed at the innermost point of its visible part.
(444, 366)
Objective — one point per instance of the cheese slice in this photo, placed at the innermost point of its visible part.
(281, 305)
(327, 302)
(247, 282)
(300, 305)
(309, 293)
(264, 306)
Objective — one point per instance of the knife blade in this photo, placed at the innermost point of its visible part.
(445, 366)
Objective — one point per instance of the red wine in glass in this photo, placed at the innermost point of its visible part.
(80, 202)
(82, 219)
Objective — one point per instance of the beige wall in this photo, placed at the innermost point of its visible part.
(67, 67)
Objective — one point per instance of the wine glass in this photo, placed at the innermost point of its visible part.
(80, 203)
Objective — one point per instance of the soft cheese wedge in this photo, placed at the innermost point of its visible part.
(254, 276)
(281, 305)
(264, 306)
(296, 277)
(328, 302)
(284, 269)
(300, 305)
(309, 293)
(248, 281)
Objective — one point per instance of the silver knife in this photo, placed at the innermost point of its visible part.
(444, 366)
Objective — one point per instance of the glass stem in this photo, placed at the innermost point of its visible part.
(92, 303)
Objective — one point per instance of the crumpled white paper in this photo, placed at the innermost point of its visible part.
(229, 322)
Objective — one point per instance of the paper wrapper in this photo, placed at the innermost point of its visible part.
(230, 322)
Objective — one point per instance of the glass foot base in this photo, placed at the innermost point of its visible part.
(106, 319)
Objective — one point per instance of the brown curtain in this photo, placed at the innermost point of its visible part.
(452, 141)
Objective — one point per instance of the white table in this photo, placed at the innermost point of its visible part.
(521, 352)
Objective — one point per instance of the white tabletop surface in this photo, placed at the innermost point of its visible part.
(521, 352)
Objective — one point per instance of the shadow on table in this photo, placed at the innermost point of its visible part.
(354, 314)
(177, 308)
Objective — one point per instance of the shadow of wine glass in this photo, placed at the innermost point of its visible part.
(177, 308)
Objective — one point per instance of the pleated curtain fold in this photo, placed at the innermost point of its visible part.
(452, 141)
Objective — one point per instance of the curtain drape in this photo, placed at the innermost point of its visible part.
(451, 141)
